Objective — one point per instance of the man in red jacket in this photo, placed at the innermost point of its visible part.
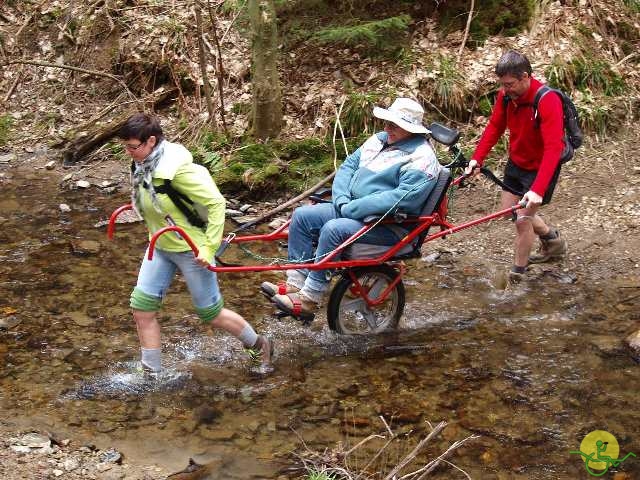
(535, 147)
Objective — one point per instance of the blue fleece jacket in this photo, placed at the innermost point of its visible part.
(378, 177)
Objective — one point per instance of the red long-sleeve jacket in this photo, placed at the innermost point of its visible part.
(531, 147)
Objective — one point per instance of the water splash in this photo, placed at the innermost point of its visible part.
(124, 379)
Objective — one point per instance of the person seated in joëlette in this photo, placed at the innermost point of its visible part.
(392, 172)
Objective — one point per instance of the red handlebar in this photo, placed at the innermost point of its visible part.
(111, 228)
(181, 232)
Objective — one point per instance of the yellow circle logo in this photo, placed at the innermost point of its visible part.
(599, 451)
(600, 444)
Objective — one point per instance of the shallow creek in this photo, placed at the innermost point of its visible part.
(531, 370)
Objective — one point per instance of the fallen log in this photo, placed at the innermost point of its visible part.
(85, 143)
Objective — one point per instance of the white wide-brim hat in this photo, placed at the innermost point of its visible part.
(405, 113)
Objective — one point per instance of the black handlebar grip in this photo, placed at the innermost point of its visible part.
(221, 249)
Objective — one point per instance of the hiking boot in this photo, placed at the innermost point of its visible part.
(550, 249)
(281, 288)
(515, 278)
(145, 372)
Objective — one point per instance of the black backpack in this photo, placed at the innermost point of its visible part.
(192, 211)
(183, 203)
(572, 132)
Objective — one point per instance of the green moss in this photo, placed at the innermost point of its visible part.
(51, 16)
(207, 147)
(183, 123)
(116, 150)
(307, 148)
(6, 121)
(275, 166)
(229, 7)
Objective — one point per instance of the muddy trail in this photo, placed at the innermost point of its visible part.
(531, 369)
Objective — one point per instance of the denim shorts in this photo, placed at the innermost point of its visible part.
(521, 180)
(156, 275)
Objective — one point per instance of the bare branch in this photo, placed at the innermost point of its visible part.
(337, 125)
(287, 204)
(387, 426)
(375, 457)
(72, 68)
(431, 466)
(219, 66)
(360, 443)
(457, 468)
(406, 460)
(233, 21)
(13, 87)
(466, 31)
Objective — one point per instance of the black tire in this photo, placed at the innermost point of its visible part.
(349, 314)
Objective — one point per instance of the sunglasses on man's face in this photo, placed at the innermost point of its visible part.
(390, 125)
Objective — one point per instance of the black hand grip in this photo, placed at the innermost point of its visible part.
(318, 199)
(221, 249)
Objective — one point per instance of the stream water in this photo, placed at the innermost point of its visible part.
(531, 370)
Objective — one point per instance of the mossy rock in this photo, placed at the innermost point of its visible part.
(265, 168)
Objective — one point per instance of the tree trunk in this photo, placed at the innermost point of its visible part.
(267, 95)
(203, 64)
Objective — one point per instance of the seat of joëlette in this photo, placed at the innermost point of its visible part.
(368, 250)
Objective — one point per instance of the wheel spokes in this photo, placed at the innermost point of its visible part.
(351, 312)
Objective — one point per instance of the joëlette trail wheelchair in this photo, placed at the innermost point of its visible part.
(369, 295)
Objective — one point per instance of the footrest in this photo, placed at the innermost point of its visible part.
(305, 318)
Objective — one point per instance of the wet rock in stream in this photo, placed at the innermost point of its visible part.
(196, 471)
(8, 158)
(110, 456)
(32, 442)
(633, 342)
(8, 323)
(206, 414)
(84, 248)
(81, 319)
(608, 345)
(128, 216)
(217, 434)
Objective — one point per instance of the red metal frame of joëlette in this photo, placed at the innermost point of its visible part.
(422, 223)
